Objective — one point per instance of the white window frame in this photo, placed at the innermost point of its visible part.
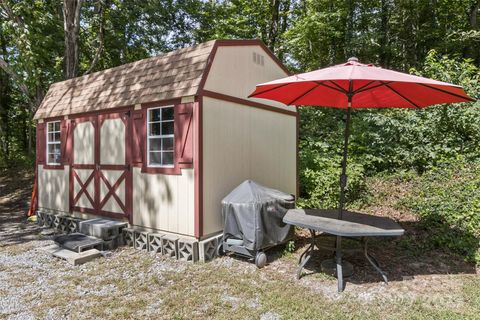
(160, 136)
(59, 142)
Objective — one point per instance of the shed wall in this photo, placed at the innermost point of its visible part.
(53, 188)
(235, 73)
(164, 202)
(239, 143)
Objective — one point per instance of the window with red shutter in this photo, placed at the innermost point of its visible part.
(156, 146)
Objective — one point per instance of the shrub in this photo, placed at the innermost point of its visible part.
(319, 176)
(447, 199)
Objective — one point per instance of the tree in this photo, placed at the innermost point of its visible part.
(71, 26)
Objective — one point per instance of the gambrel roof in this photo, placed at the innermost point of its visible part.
(171, 75)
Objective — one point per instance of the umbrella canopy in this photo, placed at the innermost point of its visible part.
(367, 86)
(356, 85)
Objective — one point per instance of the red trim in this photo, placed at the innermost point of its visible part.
(59, 118)
(41, 143)
(210, 59)
(53, 166)
(93, 114)
(224, 97)
(161, 103)
(97, 120)
(83, 188)
(227, 43)
(198, 172)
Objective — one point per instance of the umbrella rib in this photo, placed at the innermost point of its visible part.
(365, 85)
(303, 94)
(402, 96)
(271, 89)
(338, 86)
(333, 88)
(363, 89)
(450, 93)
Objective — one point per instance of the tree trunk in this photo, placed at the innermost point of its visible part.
(71, 26)
(383, 39)
(349, 29)
(274, 21)
(4, 104)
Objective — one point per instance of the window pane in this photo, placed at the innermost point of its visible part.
(167, 114)
(54, 153)
(155, 158)
(167, 127)
(155, 144)
(54, 136)
(167, 158)
(50, 127)
(51, 158)
(57, 126)
(154, 129)
(167, 144)
(154, 115)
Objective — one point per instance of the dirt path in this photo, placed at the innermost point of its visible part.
(135, 284)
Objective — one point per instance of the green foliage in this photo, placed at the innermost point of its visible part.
(393, 139)
(447, 199)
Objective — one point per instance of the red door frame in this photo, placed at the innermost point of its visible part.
(97, 175)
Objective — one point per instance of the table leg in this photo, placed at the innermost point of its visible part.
(338, 258)
(306, 255)
(373, 261)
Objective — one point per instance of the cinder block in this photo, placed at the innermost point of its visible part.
(207, 249)
(102, 228)
(128, 237)
(57, 222)
(71, 224)
(40, 218)
(155, 242)
(111, 244)
(141, 240)
(188, 250)
(63, 225)
(48, 222)
(170, 246)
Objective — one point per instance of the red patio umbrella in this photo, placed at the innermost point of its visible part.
(354, 85)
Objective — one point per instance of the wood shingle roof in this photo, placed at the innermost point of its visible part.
(171, 75)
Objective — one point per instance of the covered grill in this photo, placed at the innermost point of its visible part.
(253, 220)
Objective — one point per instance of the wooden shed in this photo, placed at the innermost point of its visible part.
(159, 142)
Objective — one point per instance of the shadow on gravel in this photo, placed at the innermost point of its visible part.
(15, 192)
(400, 258)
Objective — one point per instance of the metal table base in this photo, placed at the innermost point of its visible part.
(307, 254)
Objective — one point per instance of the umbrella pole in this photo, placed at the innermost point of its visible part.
(343, 184)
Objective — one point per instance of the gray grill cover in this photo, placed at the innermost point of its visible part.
(254, 213)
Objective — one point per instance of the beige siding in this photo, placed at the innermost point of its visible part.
(83, 145)
(164, 202)
(240, 143)
(235, 73)
(53, 189)
(112, 142)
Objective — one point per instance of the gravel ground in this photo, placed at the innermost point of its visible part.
(128, 284)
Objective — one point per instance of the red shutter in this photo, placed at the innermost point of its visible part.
(139, 133)
(184, 133)
(41, 143)
(65, 133)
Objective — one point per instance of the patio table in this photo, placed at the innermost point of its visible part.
(354, 225)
